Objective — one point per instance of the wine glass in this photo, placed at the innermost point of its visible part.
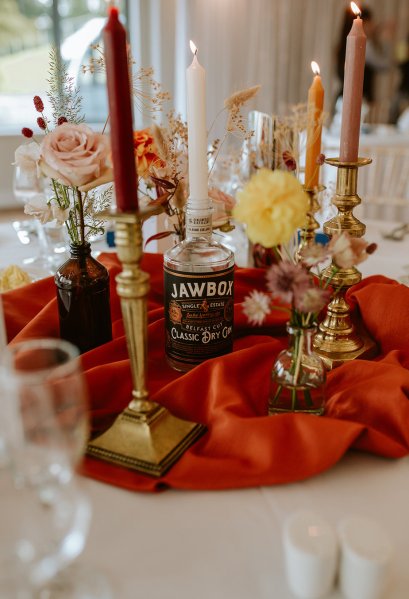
(45, 517)
(51, 237)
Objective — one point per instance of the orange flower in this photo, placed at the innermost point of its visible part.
(146, 154)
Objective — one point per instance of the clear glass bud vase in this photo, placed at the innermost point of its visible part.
(298, 376)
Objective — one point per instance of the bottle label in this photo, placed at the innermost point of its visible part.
(199, 309)
(198, 226)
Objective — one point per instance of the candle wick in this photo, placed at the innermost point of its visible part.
(196, 52)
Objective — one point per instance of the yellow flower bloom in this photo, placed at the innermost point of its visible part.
(273, 205)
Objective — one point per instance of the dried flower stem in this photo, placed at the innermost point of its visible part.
(105, 124)
(217, 153)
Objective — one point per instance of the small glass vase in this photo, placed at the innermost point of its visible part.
(298, 376)
(83, 299)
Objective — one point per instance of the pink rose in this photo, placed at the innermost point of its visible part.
(73, 154)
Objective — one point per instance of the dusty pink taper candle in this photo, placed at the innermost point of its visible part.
(353, 88)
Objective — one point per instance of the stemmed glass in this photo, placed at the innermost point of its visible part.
(51, 237)
(45, 517)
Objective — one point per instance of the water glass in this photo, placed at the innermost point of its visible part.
(45, 517)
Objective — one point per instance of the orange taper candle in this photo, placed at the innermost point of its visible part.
(315, 107)
(353, 89)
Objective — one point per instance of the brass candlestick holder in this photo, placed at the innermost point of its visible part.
(307, 233)
(339, 339)
(145, 436)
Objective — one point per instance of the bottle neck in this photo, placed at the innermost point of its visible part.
(198, 220)
(78, 251)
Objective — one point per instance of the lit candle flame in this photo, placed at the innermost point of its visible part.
(355, 9)
(193, 47)
(315, 67)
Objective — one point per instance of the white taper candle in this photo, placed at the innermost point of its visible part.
(197, 133)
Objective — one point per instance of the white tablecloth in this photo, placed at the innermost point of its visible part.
(386, 136)
(227, 545)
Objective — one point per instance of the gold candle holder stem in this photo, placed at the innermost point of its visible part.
(307, 233)
(133, 288)
(145, 436)
(338, 339)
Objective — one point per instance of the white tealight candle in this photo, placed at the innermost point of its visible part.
(311, 554)
(197, 133)
(366, 559)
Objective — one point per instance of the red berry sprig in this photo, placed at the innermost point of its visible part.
(38, 104)
(41, 123)
(27, 132)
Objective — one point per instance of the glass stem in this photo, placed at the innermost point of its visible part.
(42, 239)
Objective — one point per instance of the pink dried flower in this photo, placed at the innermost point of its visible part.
(314, 254)
(321, 159)
(285, 280)
(27, 132)
(256, 306)
(38, 104)
(41, 123)
(347, 251)
(289, 160)
(312, 299)
(61, 120)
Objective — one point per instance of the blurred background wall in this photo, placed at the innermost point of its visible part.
(241, 43)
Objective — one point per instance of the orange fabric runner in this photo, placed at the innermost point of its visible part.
(367, 406)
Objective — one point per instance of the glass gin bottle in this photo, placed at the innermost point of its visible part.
(199, 301)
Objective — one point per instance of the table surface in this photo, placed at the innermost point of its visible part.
(391, 258)
(227, 544)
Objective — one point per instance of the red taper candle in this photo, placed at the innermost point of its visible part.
(120, 113)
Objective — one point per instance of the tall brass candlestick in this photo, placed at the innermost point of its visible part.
(145, 436)
(339, 339)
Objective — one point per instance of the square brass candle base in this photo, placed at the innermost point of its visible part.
(367, 351)
(149, 444)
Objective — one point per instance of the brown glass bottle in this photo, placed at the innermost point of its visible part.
(83, 299)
